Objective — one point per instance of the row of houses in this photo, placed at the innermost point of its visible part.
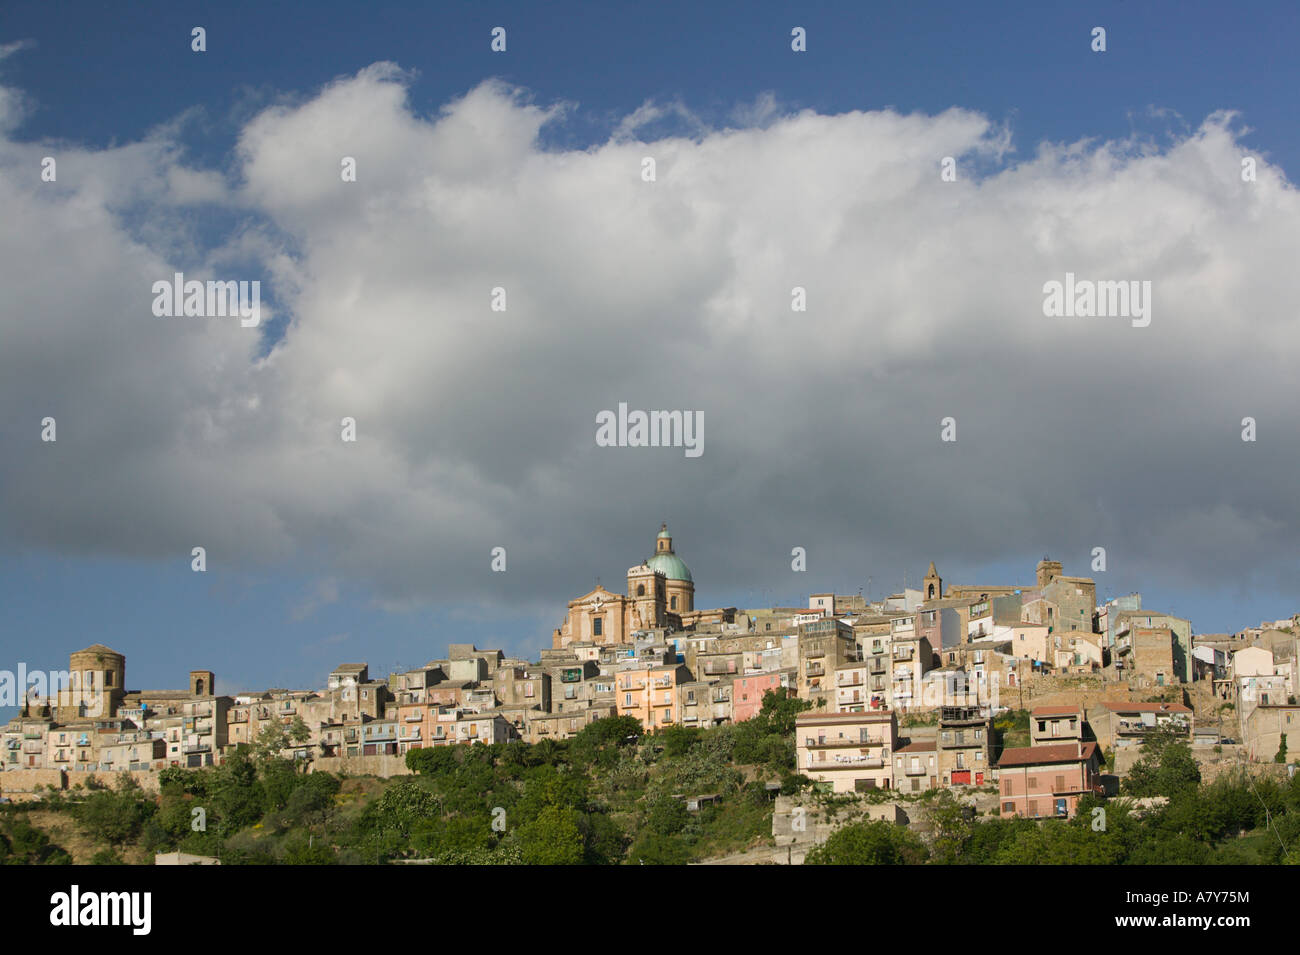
(935, 650)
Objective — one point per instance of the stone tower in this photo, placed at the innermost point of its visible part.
(1048, 570)
(96, 684)
(646, 591)
(202, 683)
(933, 586)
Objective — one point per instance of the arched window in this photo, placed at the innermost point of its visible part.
(640, 590)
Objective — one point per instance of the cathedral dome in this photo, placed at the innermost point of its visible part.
(672, 566)
(665, 560)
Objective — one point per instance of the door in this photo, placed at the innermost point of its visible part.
(961, 777)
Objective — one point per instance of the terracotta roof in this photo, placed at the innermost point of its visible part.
(921, 746)
(1041, 755)
(1055, 710)
(1120, 706)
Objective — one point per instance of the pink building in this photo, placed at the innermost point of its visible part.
(1042, 781)
(747, 694)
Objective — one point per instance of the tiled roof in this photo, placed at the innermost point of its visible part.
(1042, 755)
(921, 746)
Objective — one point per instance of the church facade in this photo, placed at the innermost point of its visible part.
(660, 595)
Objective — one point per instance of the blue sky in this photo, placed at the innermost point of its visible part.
(99, 76)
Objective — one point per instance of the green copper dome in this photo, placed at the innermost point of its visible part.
(671, 565)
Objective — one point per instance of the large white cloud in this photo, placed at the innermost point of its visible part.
(476, 428)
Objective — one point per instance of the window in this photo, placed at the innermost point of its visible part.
(640, 590)
(674, 603)
(597, 625)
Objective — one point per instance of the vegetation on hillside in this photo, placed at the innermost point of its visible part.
(612, 794)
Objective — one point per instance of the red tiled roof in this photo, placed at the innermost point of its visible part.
(921, 746)
(1041, 755)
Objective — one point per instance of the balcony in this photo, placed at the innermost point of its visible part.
(878, 665)
(842, 743)
(847, 761)
(815, 669)
(903, 653)
(1138, 728)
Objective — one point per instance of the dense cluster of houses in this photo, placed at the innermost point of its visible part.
(904, 690)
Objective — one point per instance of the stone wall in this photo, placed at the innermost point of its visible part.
(22, 784)
(383, 766)
(799, 823)
(147, 778)
(1064, 690)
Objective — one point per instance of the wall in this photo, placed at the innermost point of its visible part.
(382, 766)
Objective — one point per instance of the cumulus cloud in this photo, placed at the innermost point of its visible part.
(476, 428)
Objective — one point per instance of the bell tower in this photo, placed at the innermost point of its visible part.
(932, 588)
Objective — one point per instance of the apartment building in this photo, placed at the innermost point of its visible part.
(1047, 781)
(847, 752)
(964, 745)
(916, 766)
(649, 693)
(1056, 724)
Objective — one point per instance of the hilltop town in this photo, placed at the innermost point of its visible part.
(903, 694)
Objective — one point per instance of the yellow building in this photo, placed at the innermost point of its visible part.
(649, 693)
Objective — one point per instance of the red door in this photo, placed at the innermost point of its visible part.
(979, 779)
(961, 776)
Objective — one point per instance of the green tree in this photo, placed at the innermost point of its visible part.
(270, 742)
(552, 838)
(869, 843)
(432, 760)
(1281, 751)
(114, 817)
